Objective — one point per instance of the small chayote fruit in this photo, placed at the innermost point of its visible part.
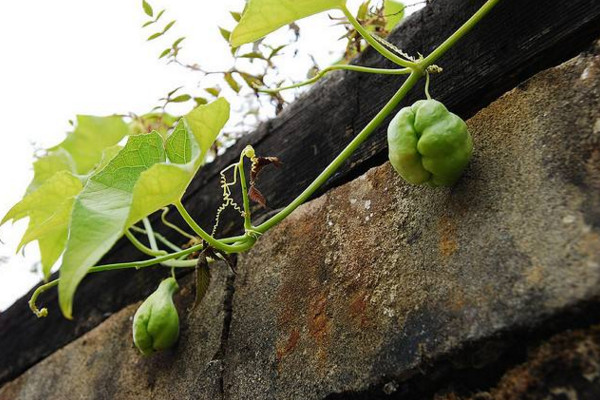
(156, 322)
(429, 144)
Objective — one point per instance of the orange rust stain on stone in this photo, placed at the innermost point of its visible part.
(358, 307)
(284, 349)
(447, 229)
(319, 325)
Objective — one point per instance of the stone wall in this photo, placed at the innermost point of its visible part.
(378, 289)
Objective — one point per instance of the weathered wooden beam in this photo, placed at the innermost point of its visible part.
(517, 40)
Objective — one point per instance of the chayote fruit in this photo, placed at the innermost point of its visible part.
(429, 144)
(156, 322)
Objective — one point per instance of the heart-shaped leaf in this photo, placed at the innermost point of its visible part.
(136, 182)
(101, 209)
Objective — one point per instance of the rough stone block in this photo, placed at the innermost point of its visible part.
(104, 364)
(375, 278)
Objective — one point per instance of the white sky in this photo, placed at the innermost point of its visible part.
(81, 57)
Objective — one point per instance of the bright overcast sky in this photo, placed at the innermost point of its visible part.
(80, 57)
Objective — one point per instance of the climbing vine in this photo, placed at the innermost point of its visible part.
(88, 191)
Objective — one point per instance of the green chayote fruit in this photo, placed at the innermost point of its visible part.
(429, 144)
(156, 322)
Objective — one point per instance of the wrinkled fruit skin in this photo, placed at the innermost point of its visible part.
(429, 144)
(156, 322)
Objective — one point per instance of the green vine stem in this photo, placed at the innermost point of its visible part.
(158, 237)
(41, 289)
(151, 238)
(427, 85)
(154, 247)
(147, 263)
(375, 44)
(141, 247)
(165, 260)
(246, 243)
(418, 71)
(341, 158)
(460, 32)
(163, 217)
(244, 186)
(324, 71)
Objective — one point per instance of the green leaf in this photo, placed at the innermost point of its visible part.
(137, 182)
(46, 166)
(168, 26)
(165, 53)
(147, 8)
(160, 14)
(363, 10)
(225, 33)
(262, 17)
(200, 101)
(176, 43)
(109, 153)
(276, 50)
(89, 139)
(49, 209)
(172, 92)
(180, 145)
(394, 12)
(251, 80)
(181, 98)
(205, 122)
(233, 84)
(101, 209)
(253, 55)
(147, 24)
(165, 183)
(236, 15)
(215, 91)
(154, 36)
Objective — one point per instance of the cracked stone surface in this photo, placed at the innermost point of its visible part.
(374, 281)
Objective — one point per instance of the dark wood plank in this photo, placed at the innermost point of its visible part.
(514, 42)
(517, 40)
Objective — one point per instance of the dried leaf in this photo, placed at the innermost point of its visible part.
(202, 279)
(260, 163)
(255, 195)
